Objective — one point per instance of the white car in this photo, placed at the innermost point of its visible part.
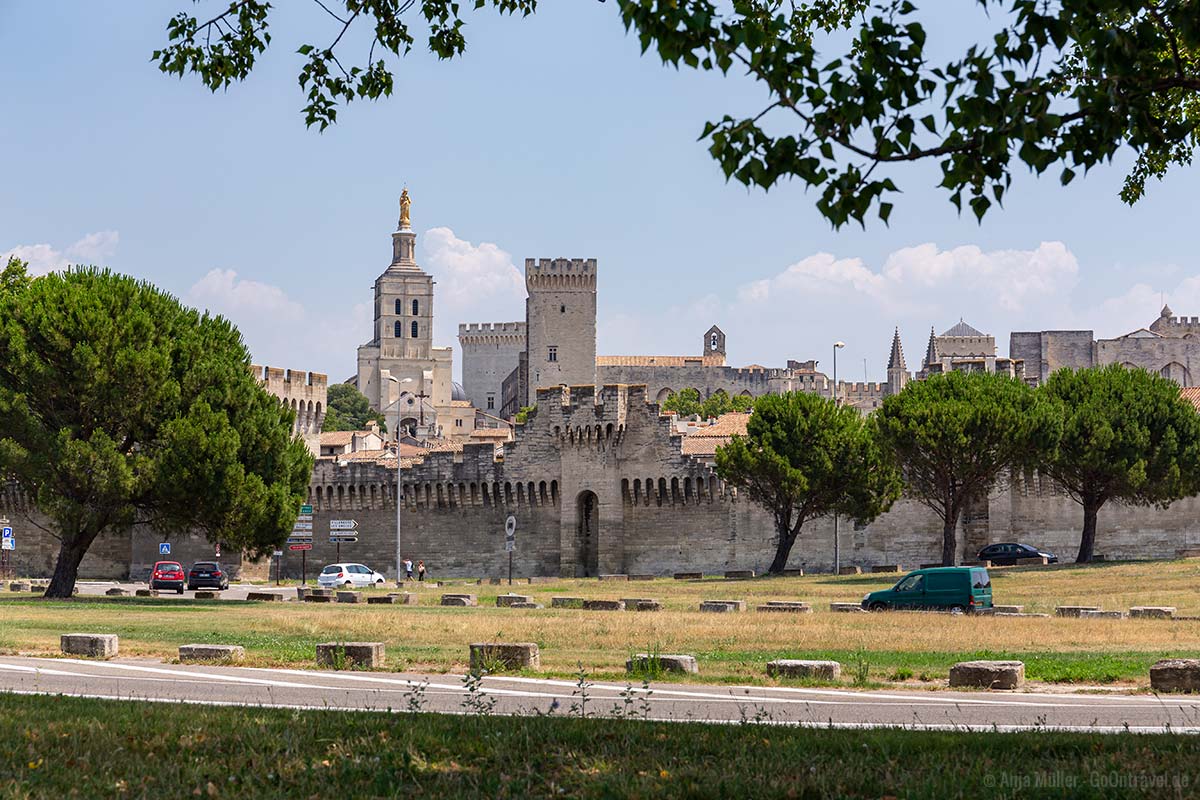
(349, 575)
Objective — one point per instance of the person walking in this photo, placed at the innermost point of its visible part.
(420, 570)
(408, 569)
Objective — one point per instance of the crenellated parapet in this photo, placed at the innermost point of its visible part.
(470, 333)
(306, 393)
(560, 274)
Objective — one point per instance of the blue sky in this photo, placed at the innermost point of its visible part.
(552, 137)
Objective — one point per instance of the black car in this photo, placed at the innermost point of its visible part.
(207, 575)
(1007, 553)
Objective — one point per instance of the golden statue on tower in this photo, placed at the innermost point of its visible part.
(405, 204)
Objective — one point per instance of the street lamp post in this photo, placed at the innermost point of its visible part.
(399, 499)
(837, 545)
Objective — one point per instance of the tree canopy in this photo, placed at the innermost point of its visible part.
(1127, 437)
(804, 457)
(854, 88)
(688, 402)
(348, 409)
(952, 435)
(120, 405)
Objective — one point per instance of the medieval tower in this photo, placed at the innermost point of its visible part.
(560, 323)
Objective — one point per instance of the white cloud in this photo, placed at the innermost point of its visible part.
(475, 283)
(43, 258)
(222, 292)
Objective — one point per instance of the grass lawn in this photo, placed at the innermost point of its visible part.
(890, 647)
(68, 747)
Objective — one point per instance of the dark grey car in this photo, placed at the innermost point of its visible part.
(207, 575)
(1007, 553)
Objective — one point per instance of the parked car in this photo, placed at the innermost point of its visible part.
(1006, 553)
(346, 574)
(167, 575)
(955, 589)
(207, 575)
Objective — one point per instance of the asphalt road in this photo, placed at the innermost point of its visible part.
(377, 691)
(236, 591)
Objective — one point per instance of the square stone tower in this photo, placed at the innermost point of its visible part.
(560, 323)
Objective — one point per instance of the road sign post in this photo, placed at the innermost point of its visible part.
(8, 543)
(510, 542)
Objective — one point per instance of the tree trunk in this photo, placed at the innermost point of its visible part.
(783, 549)
(66, 569)
(1087, 542)
(949, 538)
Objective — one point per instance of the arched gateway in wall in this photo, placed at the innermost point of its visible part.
(587, 533)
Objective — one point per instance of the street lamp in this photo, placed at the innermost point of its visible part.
(399, 499)
(837, 550)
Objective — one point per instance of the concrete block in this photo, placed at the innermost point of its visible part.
(646, 662)
(566, 602)
(406, 598)
(94, 645)
(318, 598)
(459, 600)
(266, 597)
(1102, 614)
(145, 593)
(850, 571)
(526, 605)
(791, 573)
(1188, 552)
(509, 655)
(302, 592)
(803, 668)
(785, 607)
(688, 576)
(382, 600)
(631, 603)
(20, 586)
(613, 578)
(542, 579)
(350, 654)
(887, 568)
(318, 592)
(603, 605)
(350, 597)
(1019, 614)
(738, 574)
(506, 600)
(648, 605)
(722, 606)
(1152, 612)
(1073, 611)
(207, 594)
(846, 607)
(116, 592)
(1176, 675)
(1032, 562)
(642, 577)
(988, 674)
(1008, 609)
(199, 653)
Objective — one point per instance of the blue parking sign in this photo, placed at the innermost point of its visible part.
(164, 549)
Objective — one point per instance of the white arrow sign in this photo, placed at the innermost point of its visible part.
(302, 526)
(304, 518)
(343, 524)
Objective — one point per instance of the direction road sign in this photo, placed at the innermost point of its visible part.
(299, 547)
(302, 526)
(299, 540)
(164, 549)
(278, 553)
(304, 518)
(343, 539)
(306, 509)
(343, 524)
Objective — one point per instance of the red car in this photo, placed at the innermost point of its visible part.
(167, 575)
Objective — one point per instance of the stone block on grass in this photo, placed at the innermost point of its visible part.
(527, 605)
(506, 655)
(603, 605)
(988, 674)
(146, 593)
(614, 577)
(738, 574)
(350, 654)
(1033, 561)
(785, 607)
(382, 600)
(1008, 609)
(791, 573)
(642, 577)
(631, 603)
(688, 576)
(566, 602)
(722, 606)
(1073, 611)
(1019, 614)
(648, 605)
(459, 600)
(1152, 612)
(318, 598)
(1102, 614)
(321, 592)
(887, 568)
(1175, 675)
(406, 598)
(219, 653)
(93, 645)
(850, 608)
(541, 579)
(207, 594)
(116, 592)
(18, 586)
(350, 597)
(506, 600)
(804, 668)
(850, 571)
(265, 597)
(654, 662)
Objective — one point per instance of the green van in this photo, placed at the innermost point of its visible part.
(957, 589)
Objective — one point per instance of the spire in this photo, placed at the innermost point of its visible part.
(1166, 312)
(931, 354)
(896, 359)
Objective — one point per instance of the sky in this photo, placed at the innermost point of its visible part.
(553, 136)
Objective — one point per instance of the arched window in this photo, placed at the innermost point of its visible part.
(414, 328)
(399, 306)
(398, 330)
(416, 307)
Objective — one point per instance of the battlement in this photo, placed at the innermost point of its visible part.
(292, 377)
(491, 333)
(561, 273)
(306, 393)
(858, 388)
